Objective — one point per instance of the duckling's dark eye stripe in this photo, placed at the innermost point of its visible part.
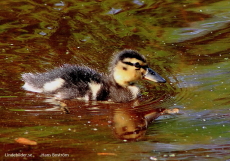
(137, 65)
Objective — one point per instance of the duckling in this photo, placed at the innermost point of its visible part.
(82, 82)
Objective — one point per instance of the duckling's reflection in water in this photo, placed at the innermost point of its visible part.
(129, 124)
(129, 120)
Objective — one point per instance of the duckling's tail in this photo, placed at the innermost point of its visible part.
(29, 85)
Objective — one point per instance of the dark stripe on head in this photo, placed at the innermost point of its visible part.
(137, 65)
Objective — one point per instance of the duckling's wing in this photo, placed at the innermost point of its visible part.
(82, 82)
(66, 82)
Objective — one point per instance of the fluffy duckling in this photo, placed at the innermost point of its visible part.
(73, 81)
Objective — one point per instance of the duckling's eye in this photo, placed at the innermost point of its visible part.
(137, 65)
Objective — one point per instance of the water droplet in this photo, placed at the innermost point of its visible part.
(114, 11)
(172, 155)
(59, 4)
(140, 3)
(42, 33)
(153, 158)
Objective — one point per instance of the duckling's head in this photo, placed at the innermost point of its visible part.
(128, 66)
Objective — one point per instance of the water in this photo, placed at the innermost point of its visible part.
(185, 42)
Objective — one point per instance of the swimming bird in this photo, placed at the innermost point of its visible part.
(82, 82)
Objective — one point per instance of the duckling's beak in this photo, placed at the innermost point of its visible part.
(153, 76)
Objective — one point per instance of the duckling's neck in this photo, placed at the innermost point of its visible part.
(129, 88)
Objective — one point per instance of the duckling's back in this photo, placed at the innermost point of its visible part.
(68, 81)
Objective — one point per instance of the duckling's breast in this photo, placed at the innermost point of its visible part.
(123, 94)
